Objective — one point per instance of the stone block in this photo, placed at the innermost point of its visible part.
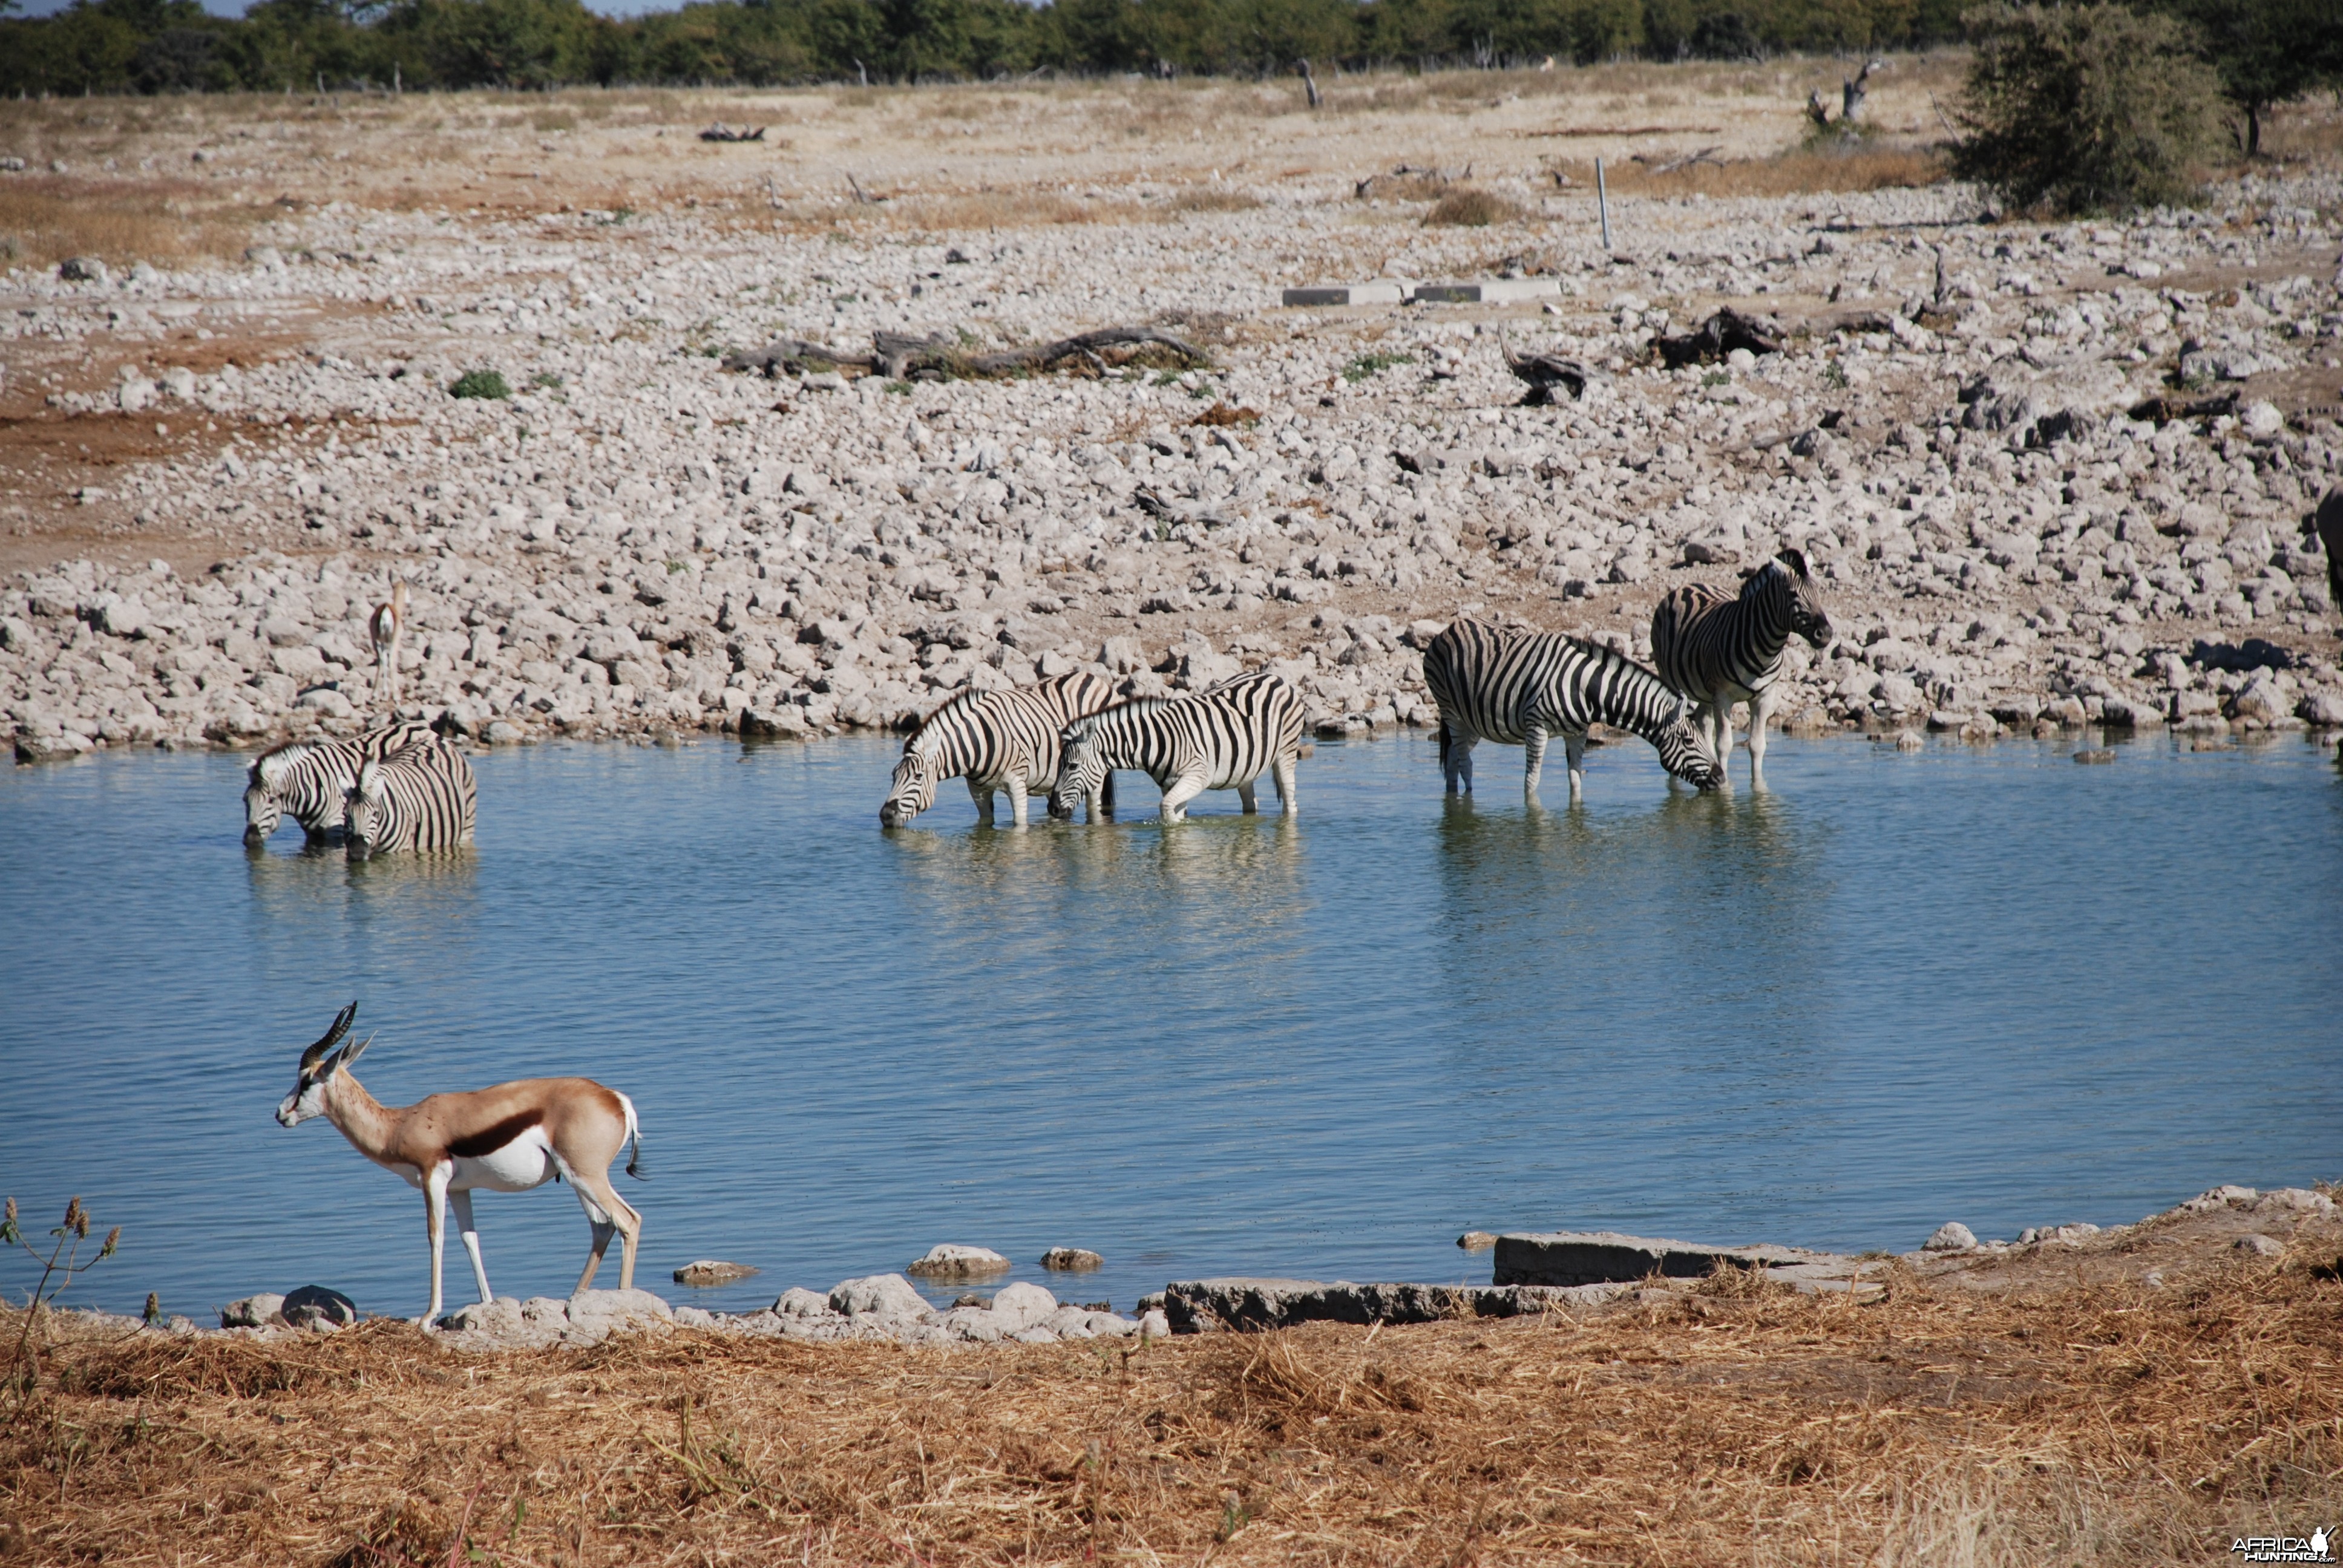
(1568, 1258)
(1489, 291)
(1381, 292)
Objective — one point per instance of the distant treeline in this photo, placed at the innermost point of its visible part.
(174, 46)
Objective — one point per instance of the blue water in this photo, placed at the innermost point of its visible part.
(1983, 984)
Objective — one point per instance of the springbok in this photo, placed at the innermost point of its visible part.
(387, 626)
(507, 1139)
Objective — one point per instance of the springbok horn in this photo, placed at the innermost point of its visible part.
(316, 1053)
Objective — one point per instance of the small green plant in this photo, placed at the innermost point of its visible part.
(1716, 379)
(58, 1269)
(2084, 108)
(1834, 373)
(1365, 365)
(1166, 378)
(674, 567)
(899, 389)
(545, 378)
(480, 384)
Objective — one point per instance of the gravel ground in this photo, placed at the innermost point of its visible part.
(1959, 432)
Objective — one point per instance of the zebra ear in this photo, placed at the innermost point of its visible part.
(1795, 559)
(1683, 708)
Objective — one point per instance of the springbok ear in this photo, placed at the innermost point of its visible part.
(316, 1053)
(349, 1054)
(1795, 559)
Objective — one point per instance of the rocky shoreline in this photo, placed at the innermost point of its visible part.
(2052, 476)
(1578, 1272)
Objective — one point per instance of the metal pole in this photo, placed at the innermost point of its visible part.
(1603, 203)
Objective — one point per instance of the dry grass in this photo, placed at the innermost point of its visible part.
(1806, 170)
(1466, 207)
(1739, 1425)
(44, 219)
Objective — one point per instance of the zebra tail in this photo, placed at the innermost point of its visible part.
(1443, 746)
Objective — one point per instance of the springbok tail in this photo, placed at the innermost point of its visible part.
(635, 1137)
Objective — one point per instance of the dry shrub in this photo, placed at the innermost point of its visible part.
(1938, 1424)
(1212, 199)
(48, 219)
(1468, 207)
(1005, 209)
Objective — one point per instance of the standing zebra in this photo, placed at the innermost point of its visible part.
(1217, 740)
(420, 797)
(996, 740)
(308, 779)
(1520, 688)
(1719, 651)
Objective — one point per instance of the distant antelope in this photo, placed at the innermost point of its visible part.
(507, 1139)
(388, 626)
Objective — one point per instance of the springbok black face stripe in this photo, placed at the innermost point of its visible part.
(420, 798)
(310, 780)
(988, 737)
(1220, 739)
(1516, 689)
(1718, 650)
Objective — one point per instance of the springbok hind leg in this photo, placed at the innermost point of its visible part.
(609, 1215)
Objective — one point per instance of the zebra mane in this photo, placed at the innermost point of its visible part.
(270, 766)
(966, 698)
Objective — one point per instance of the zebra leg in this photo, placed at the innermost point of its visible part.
(982, 795)
(1534, 754)
(1282, 773)
(1017, 798)
(1574, 756)
(1761, 709)
(1184, 788)
(1244, 796)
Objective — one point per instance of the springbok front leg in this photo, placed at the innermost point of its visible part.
(1533, 759)
(460, 1199)
(435, 1206)
(1574, 756)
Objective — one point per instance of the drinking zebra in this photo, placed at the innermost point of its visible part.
(1719, 651)
(420, 797)
(996, 740)
(1222, 738)
(1520, 688)
(308, 779)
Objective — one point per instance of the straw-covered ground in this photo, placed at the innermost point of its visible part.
(2143, 1400)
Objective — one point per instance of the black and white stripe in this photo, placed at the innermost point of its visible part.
(308, 779)
(1719, 651)
(420, 797)
(996, 740)
(1519, 687)
(1223, 739)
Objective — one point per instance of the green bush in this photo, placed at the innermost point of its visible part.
(479, 384)
(2086, 108)
(2266, 52)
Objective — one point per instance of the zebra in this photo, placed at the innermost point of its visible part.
(996, 739)
(1519, 687)
(308, 778)
(1719, 651)
(420, 797)
(1220, 738)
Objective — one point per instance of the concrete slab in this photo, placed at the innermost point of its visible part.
(1381, 292)
(1569, 1257)
(1489, 291)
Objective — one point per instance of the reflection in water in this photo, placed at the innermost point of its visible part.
(1318, 1046)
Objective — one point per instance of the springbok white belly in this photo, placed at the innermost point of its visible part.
(524, 1162)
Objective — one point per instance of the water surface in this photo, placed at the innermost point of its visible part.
(1967, 983)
